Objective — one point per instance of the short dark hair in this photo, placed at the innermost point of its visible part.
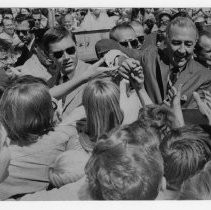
(54, 35)
(36, 11)
(181, 14)
(21, 17)
(29, 79)
(185, 151)
(119, 169)
(143, 135)
(158, 117)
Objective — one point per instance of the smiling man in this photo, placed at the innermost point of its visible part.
(173, 65)
(9, 34)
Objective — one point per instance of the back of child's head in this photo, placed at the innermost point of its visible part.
(26, 112)
(143, 135)
(28, 79)
(101, 103)
(159, 117)
(198, 187)
(121, 170)
(67, 168)
(185, 151)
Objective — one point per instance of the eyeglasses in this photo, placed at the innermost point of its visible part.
(39, 19)
(140, 39)
(164, 22)
(133, 43)
(69, 51)
(54, 105)
(24, 32)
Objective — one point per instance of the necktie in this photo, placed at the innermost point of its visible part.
(65, 78)
(172, 78)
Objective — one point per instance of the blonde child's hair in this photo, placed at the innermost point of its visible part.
(67, 168)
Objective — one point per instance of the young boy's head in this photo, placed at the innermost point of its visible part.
(67, 168)
(185, 151)
(121, 169)
(197, 187)
(160, 118)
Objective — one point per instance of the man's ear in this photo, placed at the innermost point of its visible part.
(163, 184)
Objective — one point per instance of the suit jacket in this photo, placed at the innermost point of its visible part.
(194, 77)
(74, 98)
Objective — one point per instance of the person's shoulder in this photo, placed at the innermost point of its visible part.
(199, 68)
(67, 192)
(150, 51)
(4, 35)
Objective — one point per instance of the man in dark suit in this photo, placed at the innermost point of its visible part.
(173, 65)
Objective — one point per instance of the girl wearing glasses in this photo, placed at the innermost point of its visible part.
(27, 114)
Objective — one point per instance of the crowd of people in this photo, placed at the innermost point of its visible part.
(134, 125)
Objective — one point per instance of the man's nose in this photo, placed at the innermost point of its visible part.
(66, 56)
(182, 48)
(21, 34)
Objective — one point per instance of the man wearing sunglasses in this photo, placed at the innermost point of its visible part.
(171, 66)
(23, 27)
(59, 44)
(139, 30)
(125, 35)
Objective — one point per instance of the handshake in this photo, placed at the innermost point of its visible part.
(128, 68)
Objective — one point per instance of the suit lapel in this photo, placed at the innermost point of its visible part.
(164, 69)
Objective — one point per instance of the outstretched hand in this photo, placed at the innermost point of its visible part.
(204, 105)
(95, 70)
(175, 103)
(130, 105)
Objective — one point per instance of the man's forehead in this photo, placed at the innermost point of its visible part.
(165, 17)
(177, 31)
(7, 21)
(125, 34)
(35, 16)
(24, 25)
(138, 28)
(62, 44)
(68, 18)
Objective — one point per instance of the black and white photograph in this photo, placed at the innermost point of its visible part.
(105, 103)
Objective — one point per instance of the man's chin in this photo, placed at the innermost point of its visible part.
(180, 63)
(69, 70)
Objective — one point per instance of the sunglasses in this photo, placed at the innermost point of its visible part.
(24, 32)
(69, 51)
(140, 39)
(133, 43)
(164, 22)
